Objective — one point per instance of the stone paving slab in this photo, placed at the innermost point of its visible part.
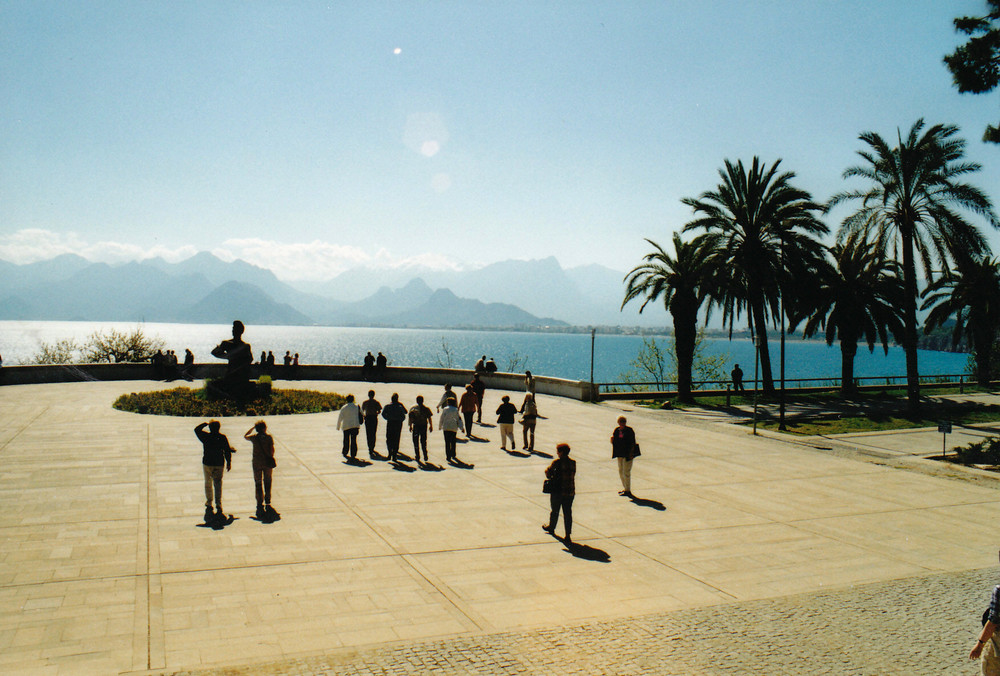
(106, 565)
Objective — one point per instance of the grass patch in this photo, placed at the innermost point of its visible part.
(188, 402)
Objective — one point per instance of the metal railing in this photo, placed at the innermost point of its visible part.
(832, 382)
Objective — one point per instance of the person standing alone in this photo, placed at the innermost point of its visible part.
(562, 482)
(624, 448)
(505, 418)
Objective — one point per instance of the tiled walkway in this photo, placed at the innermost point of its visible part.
(107, 567)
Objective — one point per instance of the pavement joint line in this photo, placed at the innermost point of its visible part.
(23, 427)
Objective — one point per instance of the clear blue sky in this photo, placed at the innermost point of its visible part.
(310, 137)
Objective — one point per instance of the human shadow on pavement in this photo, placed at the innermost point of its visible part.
(644, 502)
(455, 462)
(517, 453)
(587, 553)
(218, 521)
(541, 453)
(431, 467)
(400, 467)
(357, 462)
(268, 515)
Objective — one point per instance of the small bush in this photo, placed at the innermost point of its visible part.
(184, 401)
(985, 452)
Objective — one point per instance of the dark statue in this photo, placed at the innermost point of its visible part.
(236, 383)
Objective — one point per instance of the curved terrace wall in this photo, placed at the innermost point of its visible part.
(67, 373)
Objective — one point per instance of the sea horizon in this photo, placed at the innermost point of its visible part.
(556, 354)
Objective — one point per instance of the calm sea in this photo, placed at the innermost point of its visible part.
(559, 355)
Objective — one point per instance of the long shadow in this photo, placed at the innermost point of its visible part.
(402, 456)
(487, 425)
(455, 462)
(431, 467)
(374, 455)
(644, 502)
(542, 454)
(218, 522)
(357, 462)
(587, 553)
(519, 454)
(400, 467)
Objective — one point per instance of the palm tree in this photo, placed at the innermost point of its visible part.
(972, 296)
(683, 282)
(764, 232)
(858, 296)
(910, 208)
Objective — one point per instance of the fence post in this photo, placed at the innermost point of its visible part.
(727, 395)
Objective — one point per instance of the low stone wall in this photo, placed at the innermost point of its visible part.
(67, 373)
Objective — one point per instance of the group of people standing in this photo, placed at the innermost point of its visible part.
(289, 363)
(374, 368)
(455, 415)
(166, 366)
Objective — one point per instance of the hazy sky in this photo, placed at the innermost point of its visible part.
(310, 137)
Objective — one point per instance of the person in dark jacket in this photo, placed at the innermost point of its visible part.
(216, 454)
(562, 476)
(395, 415)
(624, 448)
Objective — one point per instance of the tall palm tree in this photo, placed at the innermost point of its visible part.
(764, 231)
(858, 295)
(972, 296)
(910, 206)
(682, 281)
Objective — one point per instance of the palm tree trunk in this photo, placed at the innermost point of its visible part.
(760, 328)
(910, 321)
(983, 349)
(685, 335)
(848, 350)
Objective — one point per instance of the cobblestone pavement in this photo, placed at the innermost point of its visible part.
(922, 625)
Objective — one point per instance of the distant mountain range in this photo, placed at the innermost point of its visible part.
(205, 289)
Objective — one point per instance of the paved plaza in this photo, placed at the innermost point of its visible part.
(741, 554)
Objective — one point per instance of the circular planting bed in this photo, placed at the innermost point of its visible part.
(188, 402)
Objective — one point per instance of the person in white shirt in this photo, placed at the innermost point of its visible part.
(349, 420)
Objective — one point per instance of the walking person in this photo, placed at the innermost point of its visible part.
(987, 646)
(529, 416)
(479, 387)
(450, 424)
(468, 405)
(561, 475)
(395, 415)
(216, 455)
(448, 394)
(420, 420)
(263, 464)
(506, 412)
(370, 408)
(624, 448)
(349, 420)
